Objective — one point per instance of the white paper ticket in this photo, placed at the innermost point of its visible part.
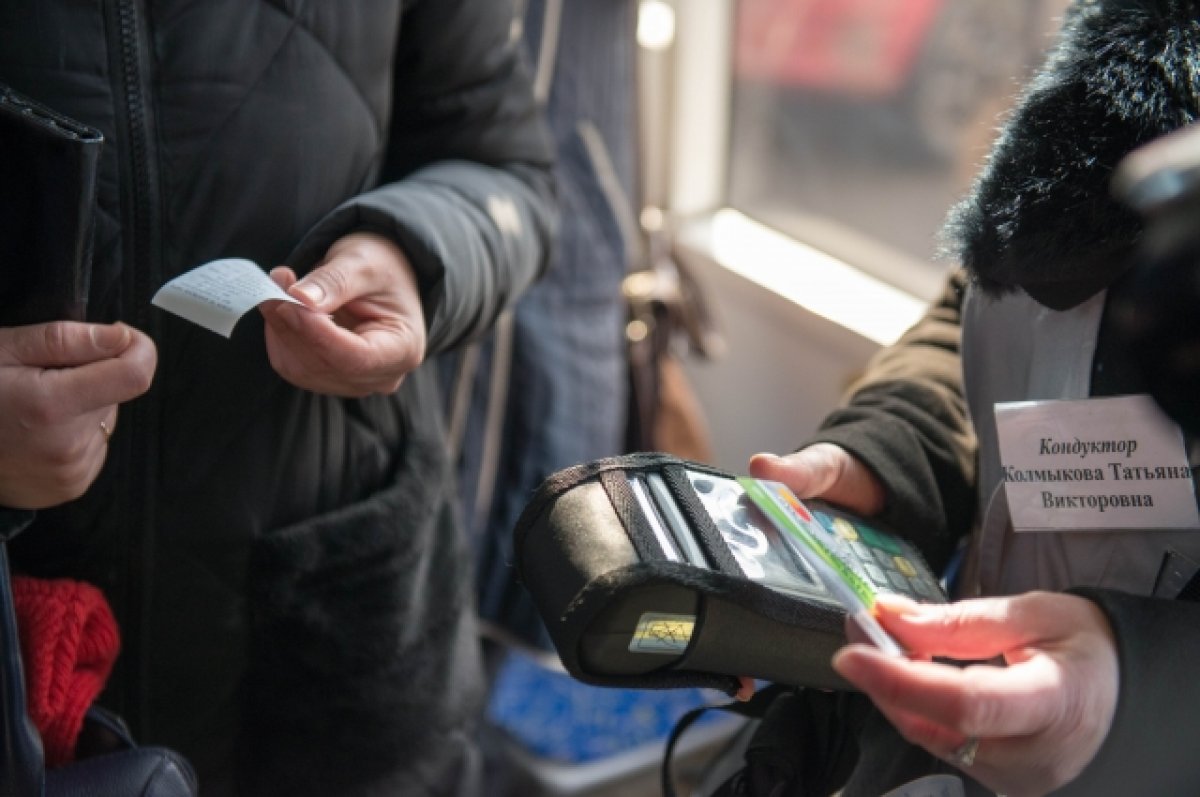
(217, 294)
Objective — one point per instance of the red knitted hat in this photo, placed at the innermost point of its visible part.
(69, 641)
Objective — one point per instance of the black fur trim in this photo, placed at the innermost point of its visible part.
(1040, 216)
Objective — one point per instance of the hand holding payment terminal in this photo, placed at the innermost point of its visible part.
(653, 571)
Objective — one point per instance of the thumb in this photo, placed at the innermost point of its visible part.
(110, 339)
(329, 286)
(807, 473)
(824, 471)
(63, 344)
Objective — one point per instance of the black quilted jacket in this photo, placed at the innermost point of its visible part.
(284, 566)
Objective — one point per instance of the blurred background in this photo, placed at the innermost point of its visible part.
(866, 119)
(789, 163)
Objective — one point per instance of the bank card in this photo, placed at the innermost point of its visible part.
(815, 545)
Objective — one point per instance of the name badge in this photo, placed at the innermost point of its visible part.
(1094, 465)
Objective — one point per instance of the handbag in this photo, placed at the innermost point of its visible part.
(668, 319)
(112, 763)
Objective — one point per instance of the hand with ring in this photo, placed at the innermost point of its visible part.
(963, 756)
(60, 385)
(1023, 729)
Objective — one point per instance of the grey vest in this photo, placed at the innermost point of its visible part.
(1015, 349)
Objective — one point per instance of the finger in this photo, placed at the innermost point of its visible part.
(372, 358)
(283, 276)
(70, 482)
(322, 341)
(857, 632)
(981, 628)
(997, 759)
(42, 397)
(946, 743)
(979, 700)
(298, 360)
(112, 381)
(288, 348)
(806, 473)
(59, 464)
(999, 762)
(62, 344)
(922, 731)
(824, 471)
(346, 276)
(76, 470)
(108, 426)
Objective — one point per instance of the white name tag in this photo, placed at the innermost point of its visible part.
(1094, 465)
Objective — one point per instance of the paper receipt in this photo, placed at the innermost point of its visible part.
(217, 294)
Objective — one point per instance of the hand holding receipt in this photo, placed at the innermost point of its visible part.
(354, 326)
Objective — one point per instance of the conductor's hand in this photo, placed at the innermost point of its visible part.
(824, 471)
(60, 384)
(362, 329)
(1038, 721)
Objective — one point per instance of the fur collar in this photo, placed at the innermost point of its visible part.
(1040, 216)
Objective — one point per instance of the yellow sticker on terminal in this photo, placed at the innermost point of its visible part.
(663, 633)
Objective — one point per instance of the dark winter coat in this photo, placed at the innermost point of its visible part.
(291, 589)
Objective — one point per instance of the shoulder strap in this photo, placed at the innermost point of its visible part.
(22, 767)
(543, 80)
(753, 708)
(502, 334)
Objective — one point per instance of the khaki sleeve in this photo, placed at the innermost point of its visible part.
(906, 419)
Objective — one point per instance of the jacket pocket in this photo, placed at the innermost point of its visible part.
(363, 673)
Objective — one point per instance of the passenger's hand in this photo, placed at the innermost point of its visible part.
(365, 330)
(1040, 719)
(60, 384)
(824, 471)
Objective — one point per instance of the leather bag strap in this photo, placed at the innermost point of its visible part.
(22, 767)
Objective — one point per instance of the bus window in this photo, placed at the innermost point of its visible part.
(856, 124)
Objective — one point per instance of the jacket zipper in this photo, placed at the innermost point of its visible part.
(140, 274)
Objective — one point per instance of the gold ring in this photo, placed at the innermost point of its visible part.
(964, 755)
(106, 432)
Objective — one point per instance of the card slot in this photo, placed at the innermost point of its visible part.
(675, 522)
(654, 519)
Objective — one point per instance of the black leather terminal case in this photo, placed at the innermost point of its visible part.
(650, 571)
